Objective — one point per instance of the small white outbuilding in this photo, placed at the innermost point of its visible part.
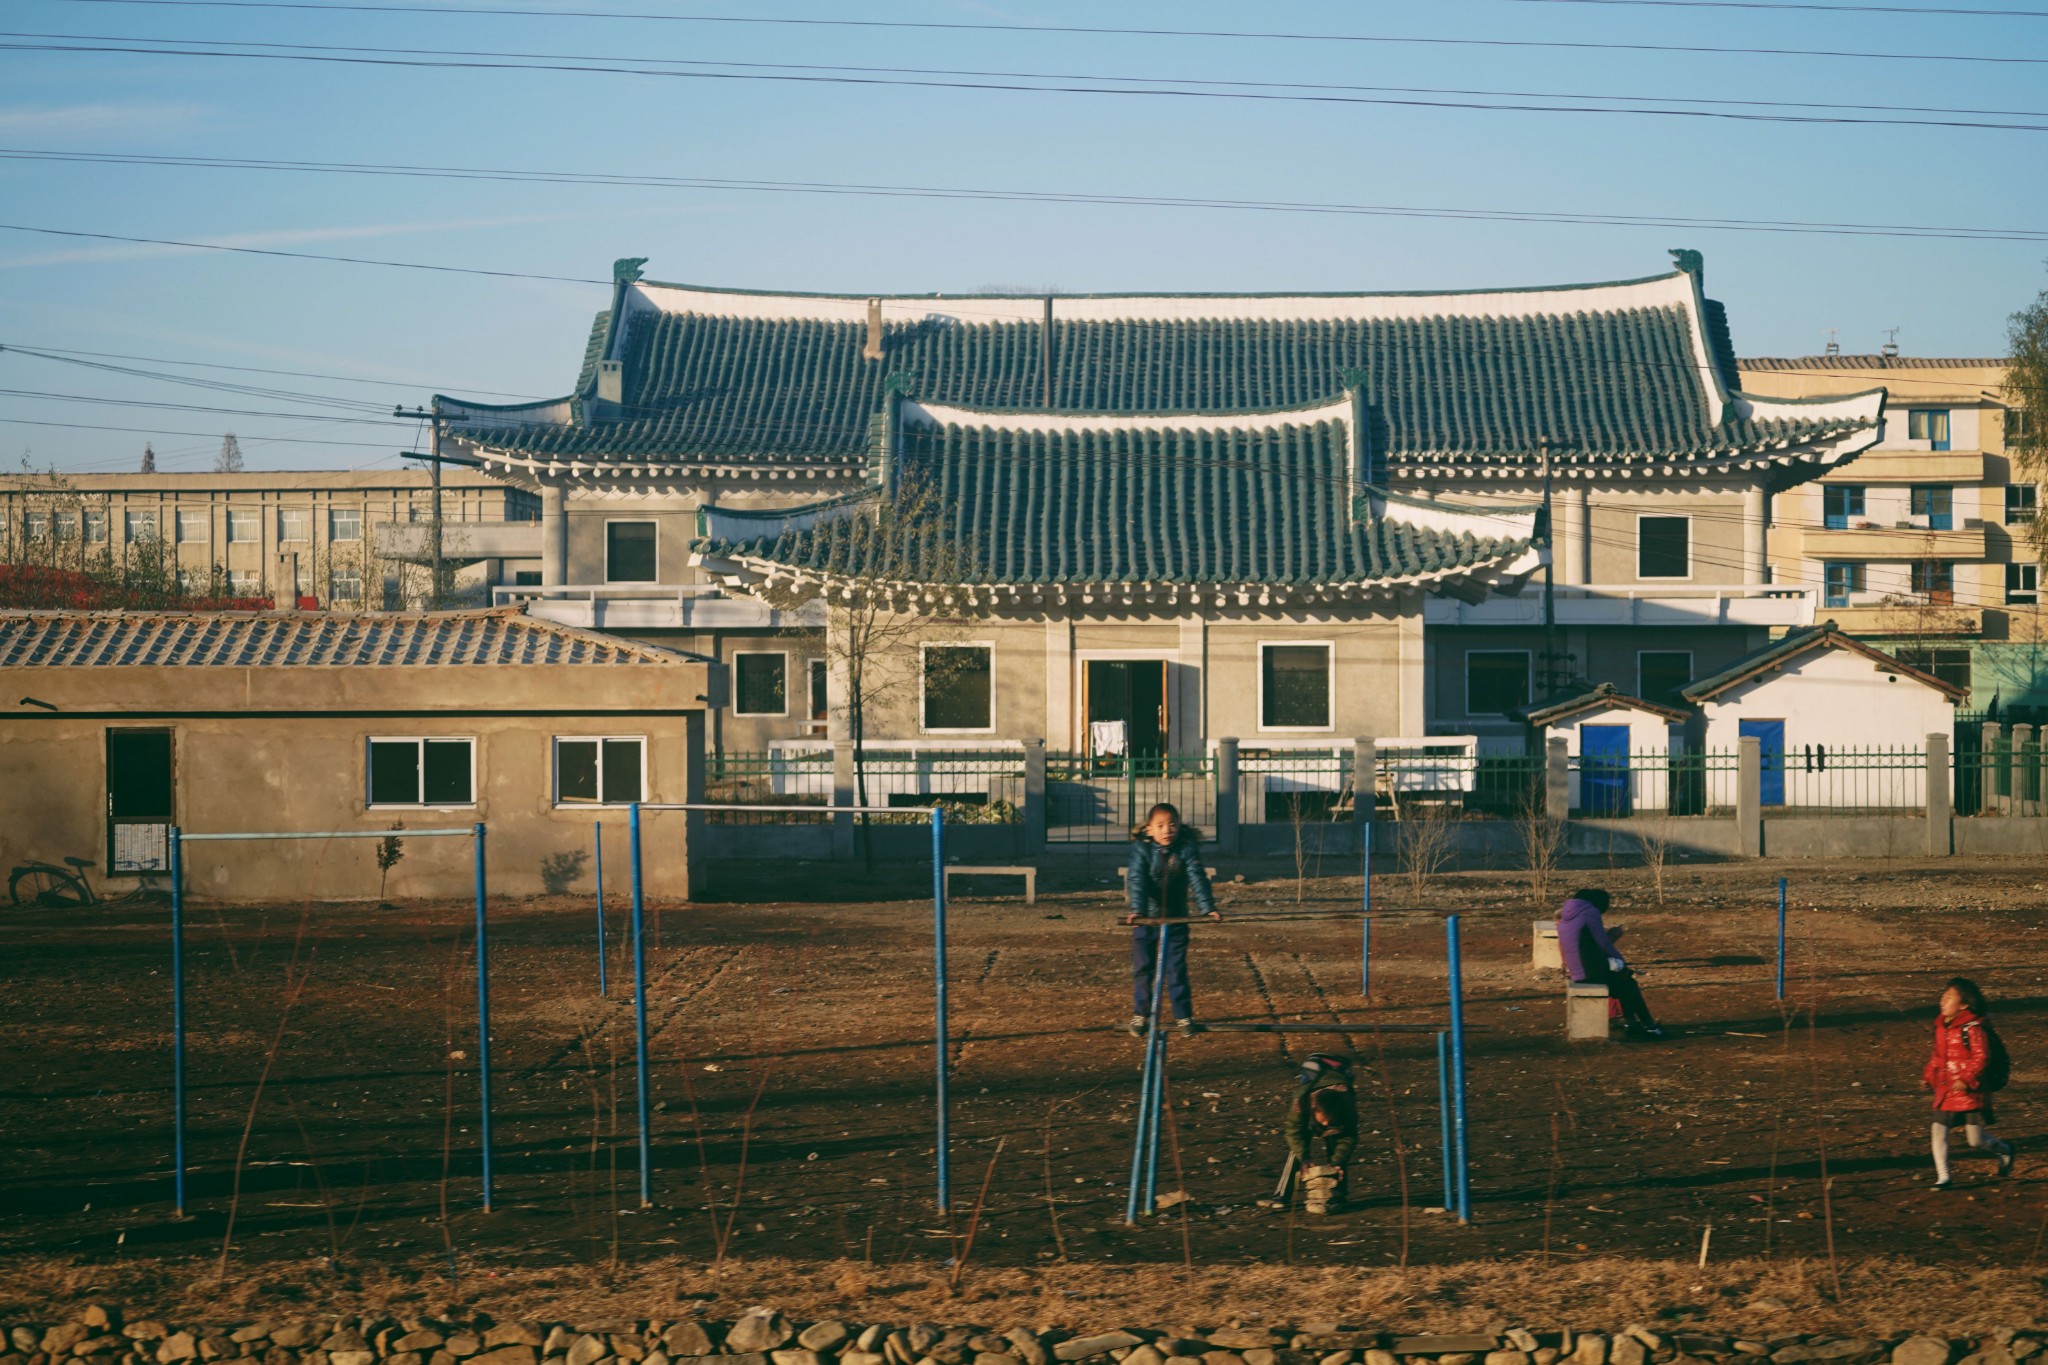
(1839, 722)
(1620, 748)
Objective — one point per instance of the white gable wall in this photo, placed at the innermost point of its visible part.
(1649, 738)
(1836, 703)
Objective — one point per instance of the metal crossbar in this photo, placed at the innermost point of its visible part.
(807, 810)
(466, 832)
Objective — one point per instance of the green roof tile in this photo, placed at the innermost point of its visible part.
(1265, 506)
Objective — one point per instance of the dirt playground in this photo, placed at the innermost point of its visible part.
(333, 1089)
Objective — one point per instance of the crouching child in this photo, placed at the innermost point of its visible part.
(1325, 1110)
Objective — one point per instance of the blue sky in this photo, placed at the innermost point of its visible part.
(411, 333)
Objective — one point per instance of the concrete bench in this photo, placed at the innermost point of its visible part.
(1544, 952)
(1029, 874)
(1585, 1011)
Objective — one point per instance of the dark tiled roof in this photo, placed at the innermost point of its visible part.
(1601, 385)
(1264, 506)
(1569, 704)
(1867, 362)
(77, 639)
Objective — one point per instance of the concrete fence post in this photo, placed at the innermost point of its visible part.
(842, 795)
(1034, 798)
(1939, 806)
(1749, 797)
(694, 872)
(1226, 795)
(2025, 762)
(1988, 763)
(1365, 776)
(1557, 778)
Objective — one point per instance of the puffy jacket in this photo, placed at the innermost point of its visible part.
(1162, 879)
(1961, 1050)
(1339, 1123)
(1577, 922)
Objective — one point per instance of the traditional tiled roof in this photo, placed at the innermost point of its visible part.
(1826, 635)
(1868, 362)
(1238, 505)
(293, 639)
(1582, 700)
(1635, 372)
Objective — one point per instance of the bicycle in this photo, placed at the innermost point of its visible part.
(67, 888)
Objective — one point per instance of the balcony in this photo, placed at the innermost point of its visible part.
(656, 606)
(1628, 605)
(1871, 613)
(462, 542)
(1900, 541)
(1910, 466)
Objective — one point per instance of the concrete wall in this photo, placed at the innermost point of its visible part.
(1717, 523)
(285, 749)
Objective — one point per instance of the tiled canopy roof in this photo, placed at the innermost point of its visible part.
(1265, 506)
(1826, 635)
(76, 639)
(1635, 371)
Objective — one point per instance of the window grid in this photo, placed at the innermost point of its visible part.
(600, 770)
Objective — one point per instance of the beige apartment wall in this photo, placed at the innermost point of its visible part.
(1720, 522)
(675, 520)
(280, 749)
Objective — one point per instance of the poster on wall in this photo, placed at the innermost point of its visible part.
(141, 848)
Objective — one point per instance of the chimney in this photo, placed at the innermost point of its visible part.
(873, 350)
(611, 381)
(1045, 350)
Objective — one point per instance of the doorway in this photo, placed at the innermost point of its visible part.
(1130, 693)
(1770, 738)
(141, 800)
(1603, 769)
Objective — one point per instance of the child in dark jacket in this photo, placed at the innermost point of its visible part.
(1590, 955)
(1164, 876)
(1325, 1107)
(1955, 1073)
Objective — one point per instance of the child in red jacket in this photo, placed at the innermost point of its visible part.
(1963, 1043)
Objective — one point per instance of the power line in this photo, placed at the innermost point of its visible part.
(182, 43)
(1233, 35)
(210, 435)
(445, 60)
(1811, 8)
(302, 255)
(52, 352)
(193, 407)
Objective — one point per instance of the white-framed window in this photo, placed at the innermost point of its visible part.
(418, 770)
(345, 523)
(1662, 674)
(65, 525)
(138, 526)
(245, 524)
(1497, 681)
(2022, 584)
(345, 586)
(35, 525)
(194, 525)
(631, 552)
(604, 770)
(956, 688)
(244, 583)
(760, 683)
(1295, 684)
(95, 528)
(294, 524)
(1663, 546)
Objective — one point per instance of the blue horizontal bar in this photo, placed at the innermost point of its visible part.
(466, 832)
(808, 810)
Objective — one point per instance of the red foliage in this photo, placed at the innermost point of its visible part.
(37, 588)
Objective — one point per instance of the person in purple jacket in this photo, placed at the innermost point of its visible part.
(1590, 955)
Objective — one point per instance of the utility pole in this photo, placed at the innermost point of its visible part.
(437, 591)
(1550, 680)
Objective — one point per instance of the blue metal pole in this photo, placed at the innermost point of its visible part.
(1155, 1116)
(598, 839)
(942, 1043)
(1365, 926)
(1781, 938)
(1459, 1133)
(640, 1005)
(1147, 1077)
(483, 1016)
(178, 1019)
(1443, 1108)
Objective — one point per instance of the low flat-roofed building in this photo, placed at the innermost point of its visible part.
(119, 725)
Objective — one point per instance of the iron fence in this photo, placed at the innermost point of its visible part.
(1100, 798)
(1457, 779)
(1819, 779)
(1294, 786)
(974, 786)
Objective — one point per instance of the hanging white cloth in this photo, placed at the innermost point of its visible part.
(1108, 738)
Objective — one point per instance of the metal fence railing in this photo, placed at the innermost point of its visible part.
(1461, 781)
(1280, 786)
(1653, 783)
(1099, 798)
(1820, 779)
(767, 777)
(974, 786)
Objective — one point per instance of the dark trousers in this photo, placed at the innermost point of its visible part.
(1621, 985)
(1144, 953)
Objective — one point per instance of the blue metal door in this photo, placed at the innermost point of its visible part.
(1770, 738)
(1603, 769)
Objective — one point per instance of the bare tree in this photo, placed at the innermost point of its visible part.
(229, 461)
(148, 458)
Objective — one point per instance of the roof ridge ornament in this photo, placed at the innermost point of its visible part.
(1691, 262)
(626, 269)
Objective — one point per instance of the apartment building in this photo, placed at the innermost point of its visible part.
(1924, 541)
(342, 538)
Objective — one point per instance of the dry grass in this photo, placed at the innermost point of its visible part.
(1879, 1297)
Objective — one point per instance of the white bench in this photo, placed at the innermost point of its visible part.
(1544, 952)
(1585, 1012)
(1029, 874)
